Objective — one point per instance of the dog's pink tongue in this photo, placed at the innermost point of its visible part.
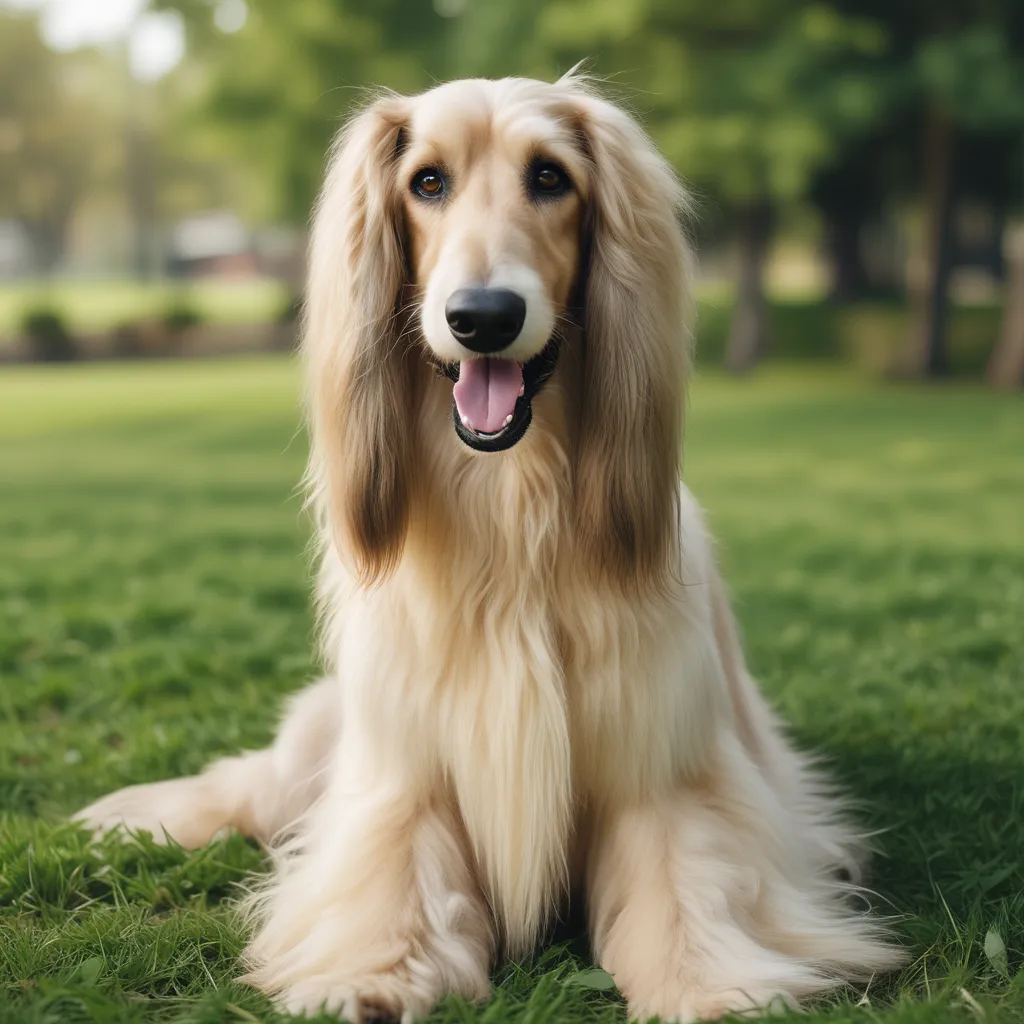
(486, 392)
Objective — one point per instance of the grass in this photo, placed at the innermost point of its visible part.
(89, 306)
(153, 610)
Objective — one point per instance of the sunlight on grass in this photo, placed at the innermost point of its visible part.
(99, 305)
(50, 399)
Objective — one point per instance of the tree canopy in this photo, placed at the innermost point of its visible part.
(765, 106)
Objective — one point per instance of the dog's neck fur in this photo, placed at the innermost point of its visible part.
(477, 585)
(487, 549)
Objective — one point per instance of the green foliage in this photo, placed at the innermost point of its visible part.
(181, 315)
(870, 334)
(48, 155)
(154, 613)
(280, 87)
(748, 99)
(975, 76)
(49, 340)
(291, 310)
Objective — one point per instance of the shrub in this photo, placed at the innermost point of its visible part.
(181, 316)
(870, 334)
(798, 331)
(291, 310)
(287, 332)
(49, 340)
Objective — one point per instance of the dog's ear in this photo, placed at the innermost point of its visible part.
(637, 310)
(360, 384)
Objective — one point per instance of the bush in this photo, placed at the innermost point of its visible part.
(870, 334)
(798, 331)
(181, 316)
(291, 310)
(287, 332)
(49, 340)
(873, 334)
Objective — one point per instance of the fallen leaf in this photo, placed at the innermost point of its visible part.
(595, 978)
(89, 970)
(995, 950)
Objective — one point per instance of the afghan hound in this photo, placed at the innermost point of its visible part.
(534, 681)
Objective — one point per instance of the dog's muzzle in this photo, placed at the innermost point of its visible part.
(480, 401)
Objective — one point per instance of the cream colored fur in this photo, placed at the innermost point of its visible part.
(534, 679)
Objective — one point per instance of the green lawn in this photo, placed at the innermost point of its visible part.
(153, 610)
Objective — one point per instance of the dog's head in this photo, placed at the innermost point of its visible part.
(494, 195)
(470, 227)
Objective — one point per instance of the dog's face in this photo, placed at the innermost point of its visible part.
(498, 213)
(493, 201)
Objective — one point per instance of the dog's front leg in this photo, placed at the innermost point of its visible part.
(378, 912)
(701, 904)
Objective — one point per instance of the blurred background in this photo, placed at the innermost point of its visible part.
(858, 164)
(858, 170)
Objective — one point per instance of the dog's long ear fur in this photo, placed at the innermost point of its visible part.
(638, 328)
(360, 384)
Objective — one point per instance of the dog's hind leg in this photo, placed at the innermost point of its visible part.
(260, 793)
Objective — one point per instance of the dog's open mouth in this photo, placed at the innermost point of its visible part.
(493, 398)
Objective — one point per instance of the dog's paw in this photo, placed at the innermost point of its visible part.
(372, 999)
(175, 808)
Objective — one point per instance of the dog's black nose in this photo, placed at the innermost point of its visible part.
(485, 319)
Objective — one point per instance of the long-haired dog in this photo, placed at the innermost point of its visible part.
(535, 682)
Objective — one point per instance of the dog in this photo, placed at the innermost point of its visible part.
(535, 682)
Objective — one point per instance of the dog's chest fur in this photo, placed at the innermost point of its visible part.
(537, 681)
(490, 660)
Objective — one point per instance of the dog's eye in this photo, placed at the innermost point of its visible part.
(548, 179)
(429, 183)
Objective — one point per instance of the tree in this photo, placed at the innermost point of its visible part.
(1006, 365)
(279, 87)
(762, 104)
(970, 81)
(76, 129)
(749, 98)
(855, 187)
(48, 133)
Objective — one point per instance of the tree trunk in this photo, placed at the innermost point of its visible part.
(48, 238)
(926, 353)
(849, 276)
(748, 328)
(141, 193)
(1006, 366)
